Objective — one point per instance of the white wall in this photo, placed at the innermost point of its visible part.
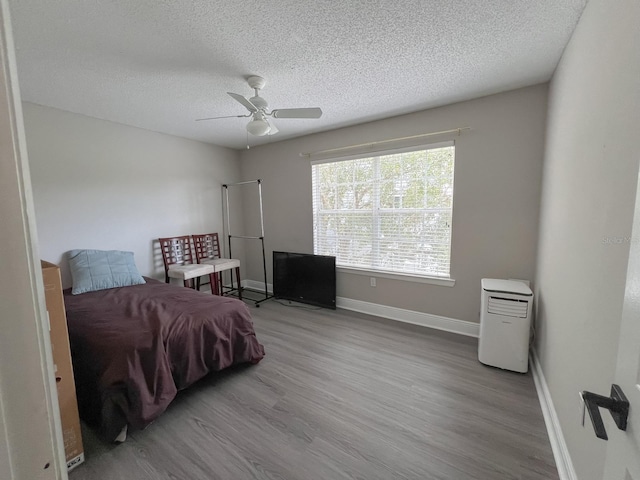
(589, 187)
(103, 185)
(497, 191)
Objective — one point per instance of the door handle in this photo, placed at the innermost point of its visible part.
(617, 404)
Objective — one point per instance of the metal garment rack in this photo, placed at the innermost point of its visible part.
(230, 235)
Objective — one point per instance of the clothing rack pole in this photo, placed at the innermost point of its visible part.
(264, 257)
(226, 191)
(230, 235)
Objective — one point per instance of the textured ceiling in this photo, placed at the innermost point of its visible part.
(161, 64)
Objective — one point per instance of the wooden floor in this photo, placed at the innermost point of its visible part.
(341, 395)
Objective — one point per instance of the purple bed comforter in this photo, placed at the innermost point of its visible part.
(135, 347)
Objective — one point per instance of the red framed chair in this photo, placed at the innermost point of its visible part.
(207, 249)
(178, 262)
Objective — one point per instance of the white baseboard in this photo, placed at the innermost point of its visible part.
(453, 325)
(256, 285)
(558, 444)
(461, 327)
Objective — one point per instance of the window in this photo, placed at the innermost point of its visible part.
(389, 213)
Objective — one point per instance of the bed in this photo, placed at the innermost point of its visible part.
(135, 347)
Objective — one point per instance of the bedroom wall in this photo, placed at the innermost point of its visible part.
(497, 192)
(103, 185)
(590, 175)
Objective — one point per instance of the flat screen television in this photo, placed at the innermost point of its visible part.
(305, 278)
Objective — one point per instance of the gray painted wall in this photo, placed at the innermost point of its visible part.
(103, 185)
(496, 199)
(588, 196)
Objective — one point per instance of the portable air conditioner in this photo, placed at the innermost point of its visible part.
(505, 320)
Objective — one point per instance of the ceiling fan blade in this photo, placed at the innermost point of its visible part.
(297, 113)
(274, 129)
(247, 104)
(227, 116)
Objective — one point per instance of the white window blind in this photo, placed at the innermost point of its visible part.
(390, 212)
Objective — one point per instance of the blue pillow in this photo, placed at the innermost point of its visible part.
(93, 270)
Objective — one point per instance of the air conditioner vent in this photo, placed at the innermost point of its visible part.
(508, 307)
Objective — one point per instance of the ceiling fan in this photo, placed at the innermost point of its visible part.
(257, 106)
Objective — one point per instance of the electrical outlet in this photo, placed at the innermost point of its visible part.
(583, 409)
(373, 281)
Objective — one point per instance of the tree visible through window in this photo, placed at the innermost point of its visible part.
(390, 212)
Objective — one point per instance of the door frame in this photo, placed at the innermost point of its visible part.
(31, 444)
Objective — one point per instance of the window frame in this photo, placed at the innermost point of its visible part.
(372, 272)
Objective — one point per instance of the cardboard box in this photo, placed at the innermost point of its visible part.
(63, 368)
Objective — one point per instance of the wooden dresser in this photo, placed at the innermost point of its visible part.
(74, 450)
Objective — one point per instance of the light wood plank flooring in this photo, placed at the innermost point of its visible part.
(341, 395)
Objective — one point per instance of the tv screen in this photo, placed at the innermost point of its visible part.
(305, 278)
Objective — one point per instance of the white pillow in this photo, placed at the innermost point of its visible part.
(93, 270)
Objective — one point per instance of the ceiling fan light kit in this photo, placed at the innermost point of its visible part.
(258, 127)
(257, 106)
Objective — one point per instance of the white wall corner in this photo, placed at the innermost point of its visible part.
(554, 430)
(5, 459)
